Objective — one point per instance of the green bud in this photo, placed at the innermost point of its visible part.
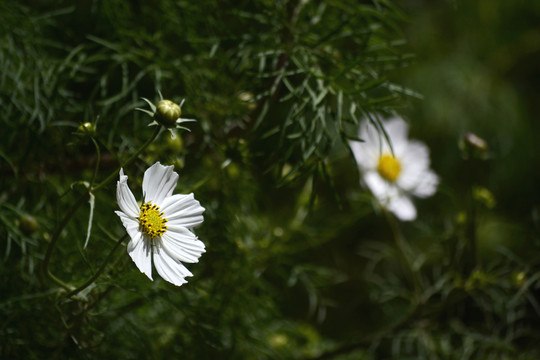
(484, 197)
(519, 278)
(247, 98)
(167, 113)
(473, 146)
(28, 224)
(86, 129)
(174, 145)
(278, 340)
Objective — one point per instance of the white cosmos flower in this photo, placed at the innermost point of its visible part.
(394, 178)
(160, 227)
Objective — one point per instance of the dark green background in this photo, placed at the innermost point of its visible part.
(299, 263)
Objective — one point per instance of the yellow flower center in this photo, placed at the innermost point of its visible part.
(389, 167)
(151, 220)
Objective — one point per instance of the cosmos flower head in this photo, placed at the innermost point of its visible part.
(396, 173)
(161, 228)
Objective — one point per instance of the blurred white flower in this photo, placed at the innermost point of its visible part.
(160, 227)
(394, 177)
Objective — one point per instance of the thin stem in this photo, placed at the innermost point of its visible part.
(98, 160)
(471, 257)
(100, 270)
(400, 244)
(55, 238)
(128, 161)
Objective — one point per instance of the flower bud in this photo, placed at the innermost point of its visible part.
(520, 278)
(484, 197)
(473, 146)
(475, 141)
(247, 98)
(167, 113)
(28, 224)
(86, 129)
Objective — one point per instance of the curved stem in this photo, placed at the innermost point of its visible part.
(100, 270)
(470, 258)
(98, 160)
(78, 204)
(55, 238)
(128, 161)
(400, 244)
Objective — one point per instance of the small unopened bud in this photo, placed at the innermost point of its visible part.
(473, 146)
(278, 340)
(247, 98)
(520, 278)
(86, 129)
(28, 224)
(475, 141)
(167, 113)
(484, 197)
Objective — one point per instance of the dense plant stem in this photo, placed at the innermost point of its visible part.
(100, 270)
(78, 204)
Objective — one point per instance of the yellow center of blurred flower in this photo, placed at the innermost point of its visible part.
(151, 220)
(389, 167)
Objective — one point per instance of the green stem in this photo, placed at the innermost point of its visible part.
(98, 160)
(55, 238)
(400, 244)
(78, 204)
(128, 161)
(100, 270)
(471, 256)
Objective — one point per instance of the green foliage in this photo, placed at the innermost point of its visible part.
(301, 263)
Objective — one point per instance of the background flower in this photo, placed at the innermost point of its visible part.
(396, 168)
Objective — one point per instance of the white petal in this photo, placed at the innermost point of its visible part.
(140, 250)
(158, 182)
(397, 130)
(182, 210)
(417, 151)
(427, 185)
(170, 269)
(124, 197)
(373, 145)
(381, 188)
(188, 240)
(182, 245)
(402, 207)
(366, 154)
(416, 177)
(414, 163)
(131, 225)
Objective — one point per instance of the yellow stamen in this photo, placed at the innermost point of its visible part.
(151, 220)
(389, 167)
